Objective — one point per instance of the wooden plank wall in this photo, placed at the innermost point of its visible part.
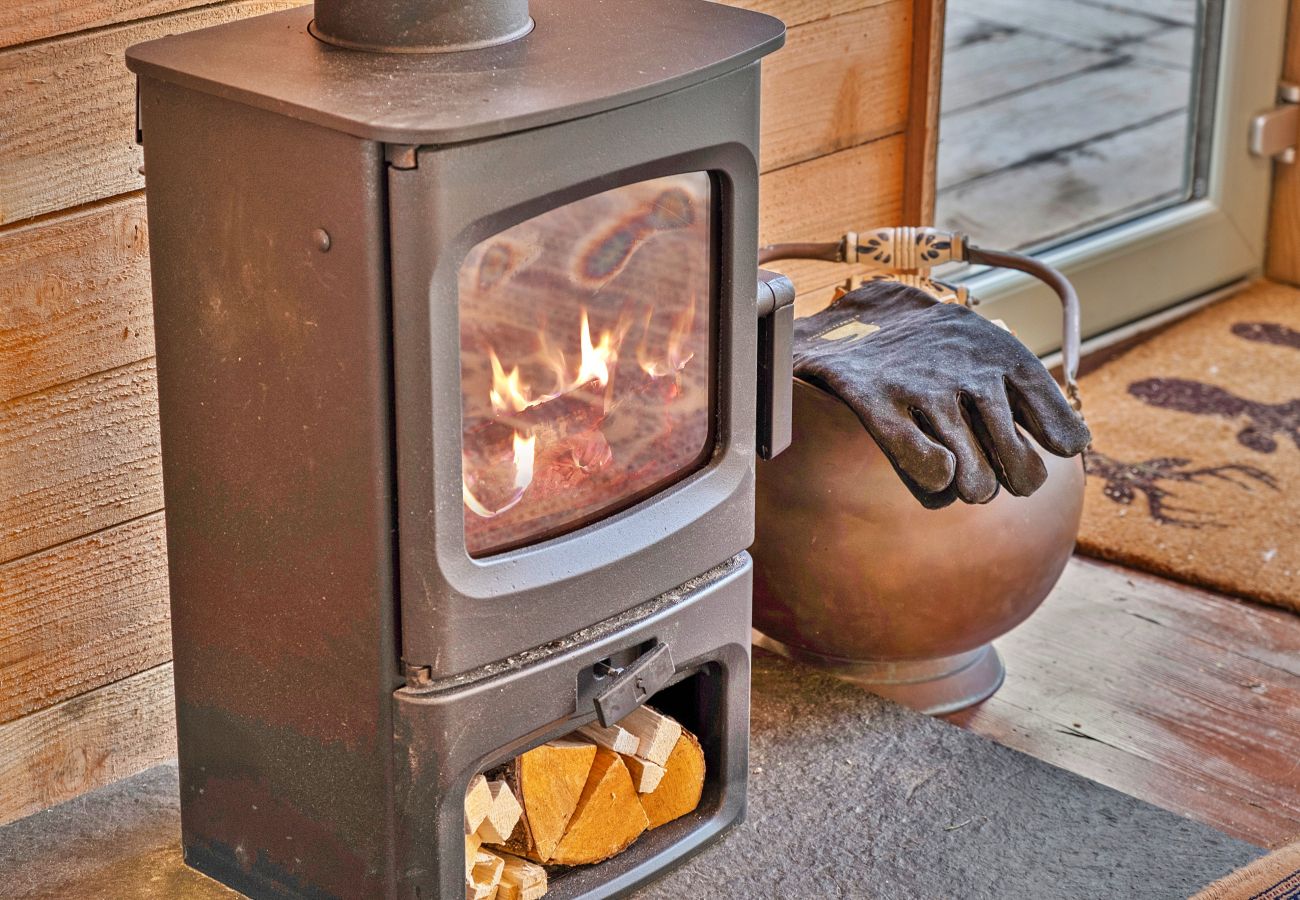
(1283, 260)
(84, 644)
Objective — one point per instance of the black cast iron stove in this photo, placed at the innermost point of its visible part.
(461, 381)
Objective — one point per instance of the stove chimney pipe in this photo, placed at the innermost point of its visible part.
(420, 26)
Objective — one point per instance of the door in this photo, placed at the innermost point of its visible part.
(1111, 139)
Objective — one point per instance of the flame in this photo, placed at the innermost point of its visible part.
(509, 392)
(675, 357)
(524, 451)
(595, 360)
(522, 456)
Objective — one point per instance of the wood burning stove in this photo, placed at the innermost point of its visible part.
(461, 378)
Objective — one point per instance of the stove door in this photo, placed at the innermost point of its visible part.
(574, 367)
(586, 360)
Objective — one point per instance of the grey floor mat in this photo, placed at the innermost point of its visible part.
(850, 797)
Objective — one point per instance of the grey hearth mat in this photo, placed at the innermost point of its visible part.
(850, 797)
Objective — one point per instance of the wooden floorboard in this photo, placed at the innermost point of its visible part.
(1005, 63)
(1035, 124)
(1067, 20)
(1065, 105)
(1070, 191)
(1178, 696)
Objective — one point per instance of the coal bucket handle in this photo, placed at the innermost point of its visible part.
(913, 251)
(1053, 278)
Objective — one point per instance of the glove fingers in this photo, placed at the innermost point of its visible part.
(1041, 410)
(975, 479)
(929, 467)
(1018, 464)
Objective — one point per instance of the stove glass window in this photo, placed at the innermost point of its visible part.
(586, 360)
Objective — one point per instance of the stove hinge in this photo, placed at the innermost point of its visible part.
(1275, 133)
(417, 676)
(402, 156)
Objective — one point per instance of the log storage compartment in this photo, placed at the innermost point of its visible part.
(457, 354)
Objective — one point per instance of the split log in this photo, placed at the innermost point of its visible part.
(614, 738)
(682, 785)
(504, 814)
(549, 779)
(645, 774)
(656, 733)
(608, 818)
(478, 802)
(521, 880)
(485, 877)
(472, 844)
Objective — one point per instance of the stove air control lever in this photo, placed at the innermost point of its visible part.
(634, 686)
(775, 361)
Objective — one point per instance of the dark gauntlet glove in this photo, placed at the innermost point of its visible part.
(941, 390)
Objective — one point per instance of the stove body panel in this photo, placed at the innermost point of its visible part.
(332, 637)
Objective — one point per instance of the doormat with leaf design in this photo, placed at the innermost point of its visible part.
(1194, 470)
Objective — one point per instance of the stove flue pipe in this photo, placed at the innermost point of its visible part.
(420, 26)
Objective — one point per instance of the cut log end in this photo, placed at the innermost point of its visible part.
(615, 737)
(645, 774)
(478, 802)
(485, 878)
(504, 814)
(521, 880)
(656, 733)
(578, 801)
(609, 817)
(682, 786)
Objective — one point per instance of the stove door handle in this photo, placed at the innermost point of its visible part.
(638, 683)
(775, 309)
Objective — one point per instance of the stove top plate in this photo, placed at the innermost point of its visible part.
(583, 57)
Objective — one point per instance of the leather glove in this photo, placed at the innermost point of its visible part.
(941, 390)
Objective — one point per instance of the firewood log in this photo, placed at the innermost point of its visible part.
(645, 774)
(472, 843)
(615, 737)
(656, 733)
(485, 877)
(608, 818)
(521, 880)
(683, 783)
(503, 816)
(478, 801)
(549, 780)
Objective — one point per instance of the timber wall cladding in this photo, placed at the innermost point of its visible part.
(85, 683)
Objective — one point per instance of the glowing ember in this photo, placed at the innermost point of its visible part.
(523, 453)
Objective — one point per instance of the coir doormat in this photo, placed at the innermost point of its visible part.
(1194, 471)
